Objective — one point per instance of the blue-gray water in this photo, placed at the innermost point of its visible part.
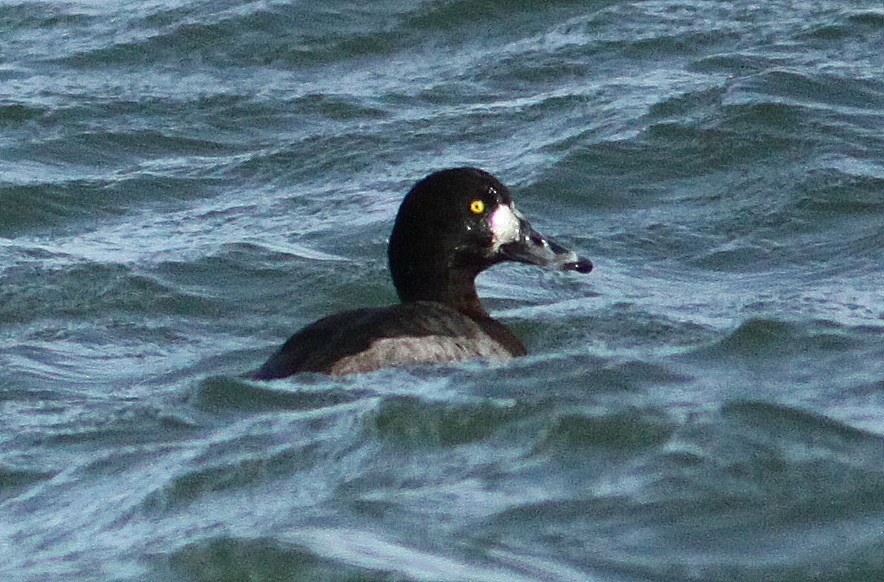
(185, 184)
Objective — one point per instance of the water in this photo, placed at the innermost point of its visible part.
(185, 184)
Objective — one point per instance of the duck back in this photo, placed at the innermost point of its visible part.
(361, 340)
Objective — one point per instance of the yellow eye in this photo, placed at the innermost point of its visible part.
(477, 206)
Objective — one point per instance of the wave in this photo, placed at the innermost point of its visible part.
(224, 558)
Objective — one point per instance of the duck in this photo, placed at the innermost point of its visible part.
(452, 225)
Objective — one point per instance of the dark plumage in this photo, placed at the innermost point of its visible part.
(451, 226)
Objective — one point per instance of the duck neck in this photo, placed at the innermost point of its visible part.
(455, 288)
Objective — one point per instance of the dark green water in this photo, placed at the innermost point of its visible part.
(185, 184)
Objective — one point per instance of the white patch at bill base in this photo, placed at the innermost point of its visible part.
(504, 223)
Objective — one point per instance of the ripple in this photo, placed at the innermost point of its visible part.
(830, 193)
(421, 423)
(314, 36)
(786, 425)
(630, 430)
(14, 113)
(764, 338)
(809, 89)
(38, 291)
(14, 481)
(333, 554)
(38, 206)
(221, 394)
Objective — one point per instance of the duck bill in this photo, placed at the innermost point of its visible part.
(533, 248)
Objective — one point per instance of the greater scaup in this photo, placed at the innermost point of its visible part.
(451, 226)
